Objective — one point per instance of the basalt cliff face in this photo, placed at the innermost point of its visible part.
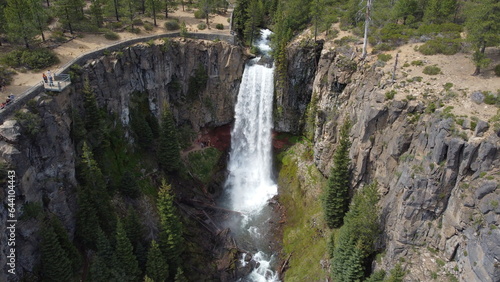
(199, 80)
(438, 179)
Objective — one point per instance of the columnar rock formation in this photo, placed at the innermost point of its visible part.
(45, 163)
(438, 179)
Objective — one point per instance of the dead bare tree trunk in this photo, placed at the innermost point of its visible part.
(395, 66)
(367, 24)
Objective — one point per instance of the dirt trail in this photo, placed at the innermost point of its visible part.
(91, 42)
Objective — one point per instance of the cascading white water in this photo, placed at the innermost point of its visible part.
(250, 184)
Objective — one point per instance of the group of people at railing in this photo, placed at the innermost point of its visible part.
(7, 102)
(48, 78)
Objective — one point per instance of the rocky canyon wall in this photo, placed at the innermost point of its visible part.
(199, 80)
(437, 177)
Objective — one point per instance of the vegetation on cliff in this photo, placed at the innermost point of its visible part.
(336, 200)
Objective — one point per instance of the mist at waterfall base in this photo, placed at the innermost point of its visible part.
(250, 185)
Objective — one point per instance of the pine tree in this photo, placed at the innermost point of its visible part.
(66, 245)
(104, 265)
(142, 130)
(207, 7)
(440, 11)
(336, 200)
(156, 267)
(168, 151)
(170, 228)
(179, 276)
(483, 29)
(96, 12)
(99, 272)
(69, 12)
(255, 17)
(86, 219)
(153, 6)
(92, 113)
(19, 19)
(396, 274)
(354, 241)
(39, 16)
(94, 204)
(55, 263)
(129, 186)
(126, 260)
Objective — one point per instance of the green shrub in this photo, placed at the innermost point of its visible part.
(382, 47)
(390, 94)
(394, 34)
(448, 85)
(255, 50)
(431, 108)
(345, 40)
(184, 32)
(446, 46)
(417, 63)
(137, 22)
(203, 163)
(114, 25)
(5, 76)
(490, 98)
(148, 26)
(109, 35)
(32, 59)
(384, 57)
(134, 30)
(31, 210)
(172, 25)
(447, 28)
(58, 36)
(432, 70)
(200, 14)
(202, 26)
(30, 123)
(497, 70)
(221, 27)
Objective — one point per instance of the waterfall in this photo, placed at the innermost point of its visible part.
(250, 184)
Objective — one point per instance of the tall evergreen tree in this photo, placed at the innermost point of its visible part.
(93, 200)
(99, 272)
(66, 244)
(153, 6)
(96, 12)
(19, 19)
(240, 16)
(207, 6)
(440, 11)
(169, 5)
(126, 260)
(255, 17)
(86, 219)
(156, 267)
(170, 228)
(483, 29)
(179, 276)
(355, 240)
(69, 12)
(104, 265)
(39, 16)
(55, 263)
(168, 151)
(336, 199)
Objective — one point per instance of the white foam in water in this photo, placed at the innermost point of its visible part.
(262, 273)
(250, 184)
(263, 42)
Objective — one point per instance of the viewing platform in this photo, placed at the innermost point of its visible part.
(60, 82)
